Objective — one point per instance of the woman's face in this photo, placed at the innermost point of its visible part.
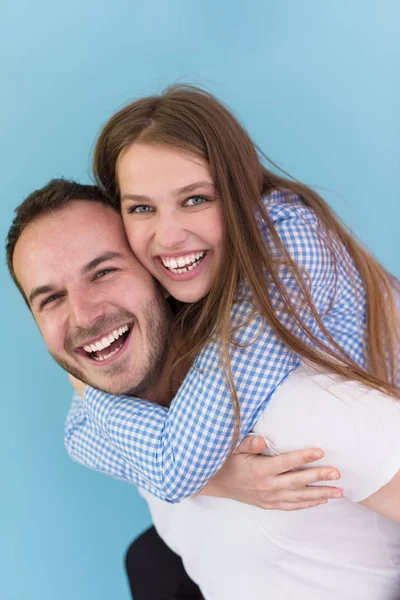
(172, 217)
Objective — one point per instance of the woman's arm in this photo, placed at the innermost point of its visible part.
(273, 482)
(263, 481)
(86, 446)
(179, 450)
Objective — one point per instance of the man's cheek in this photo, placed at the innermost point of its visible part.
(54, 341)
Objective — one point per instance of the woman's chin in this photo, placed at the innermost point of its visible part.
(187, 293)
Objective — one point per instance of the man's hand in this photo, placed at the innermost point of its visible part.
(79, 386)
(270, 482)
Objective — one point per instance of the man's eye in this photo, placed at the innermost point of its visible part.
(196, 201)
(140, 208)
(102, 273)
(49, 300)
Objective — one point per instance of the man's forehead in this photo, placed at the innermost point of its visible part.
(71, 237)
(81, 211)
(79, 220)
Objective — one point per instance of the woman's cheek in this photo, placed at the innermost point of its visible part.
(136, 239)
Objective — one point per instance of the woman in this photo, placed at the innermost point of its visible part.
(266, 274)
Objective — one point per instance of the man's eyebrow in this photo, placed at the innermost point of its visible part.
(42, 289)
(45, 289)
(99, 260)
(187, 189)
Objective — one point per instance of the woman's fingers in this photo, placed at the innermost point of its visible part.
(295, 486)
(298, 479)
(252, 444)
(294, 460)
(281, 482)
(287, 499)
(299, 505)
(275, 465)
(306, 494)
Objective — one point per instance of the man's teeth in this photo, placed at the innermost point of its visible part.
(107, 355)
(182, 264)
(107, 341)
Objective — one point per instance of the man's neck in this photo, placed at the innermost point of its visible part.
(163, 390)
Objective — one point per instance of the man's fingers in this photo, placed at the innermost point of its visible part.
(252, 444)
(294, 460)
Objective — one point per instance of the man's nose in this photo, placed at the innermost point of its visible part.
(84, 309)
(170, 234)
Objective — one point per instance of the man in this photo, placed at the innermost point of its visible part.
(64, 254)
(69, 257)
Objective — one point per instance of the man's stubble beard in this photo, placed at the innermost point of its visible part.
(157, 319)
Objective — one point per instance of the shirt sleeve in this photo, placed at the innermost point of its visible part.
(357, 427)
(177, 451)
(89, 448)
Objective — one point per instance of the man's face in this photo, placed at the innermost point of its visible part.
(101, 314)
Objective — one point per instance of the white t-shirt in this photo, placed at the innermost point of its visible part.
(337, 551)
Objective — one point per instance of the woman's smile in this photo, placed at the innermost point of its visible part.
(183, 267)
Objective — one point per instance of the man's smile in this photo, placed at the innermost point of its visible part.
(107, 345)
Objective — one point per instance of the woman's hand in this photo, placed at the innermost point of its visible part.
(79, 386)
(270, 482)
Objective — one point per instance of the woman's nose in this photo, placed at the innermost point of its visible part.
(169, 234)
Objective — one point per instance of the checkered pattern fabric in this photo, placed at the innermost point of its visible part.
(173, 452)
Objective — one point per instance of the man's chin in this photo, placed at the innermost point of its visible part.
(115, 388)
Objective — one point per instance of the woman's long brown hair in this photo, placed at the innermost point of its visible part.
(194, 121)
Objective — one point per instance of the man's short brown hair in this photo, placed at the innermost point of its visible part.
(53, 196)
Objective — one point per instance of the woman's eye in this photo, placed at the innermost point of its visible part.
(196, 200)
(140, 208)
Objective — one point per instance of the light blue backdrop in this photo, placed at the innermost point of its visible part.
(317, 85)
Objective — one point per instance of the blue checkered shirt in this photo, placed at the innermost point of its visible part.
(173, 452)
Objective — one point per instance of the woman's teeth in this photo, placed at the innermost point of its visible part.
(183, 264)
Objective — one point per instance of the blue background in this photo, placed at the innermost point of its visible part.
(316, 84)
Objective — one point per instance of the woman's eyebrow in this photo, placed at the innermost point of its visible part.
(192, 187)
(187, 189)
